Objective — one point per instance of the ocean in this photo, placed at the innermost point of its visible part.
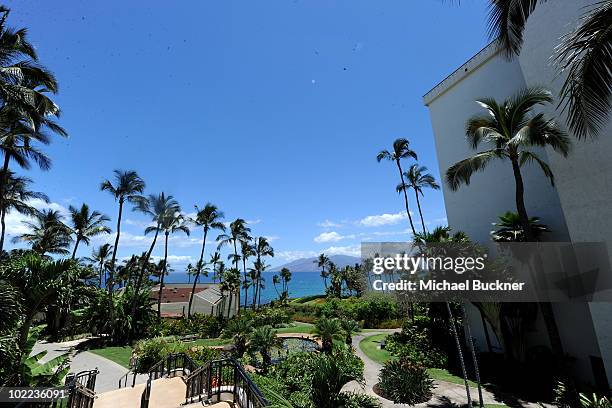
(301, 284)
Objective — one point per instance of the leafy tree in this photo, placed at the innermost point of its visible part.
(48, 233)
(512, 130)
(128, 187)
(100, 256)
(208, 218)
(510, 229)
(16, 196)
(238, 330)
(262, 341)
(327, 330)
(86, 224)
(173, 221)
(322, 261)
(418, 179)
(401, 150)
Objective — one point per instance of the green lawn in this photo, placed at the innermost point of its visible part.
(296, 327)
(119, 354)
(371, 348)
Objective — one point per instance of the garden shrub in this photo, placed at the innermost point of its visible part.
(203, 326)
(405, 381)
(358, 400)
(414, 342)
(151, 351)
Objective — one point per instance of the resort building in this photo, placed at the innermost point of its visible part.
(207, 299)
(577, 209)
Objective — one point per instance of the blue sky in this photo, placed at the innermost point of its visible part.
(273, 110)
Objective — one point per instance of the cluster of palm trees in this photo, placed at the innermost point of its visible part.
(416, 178)
(348, 279)
(282, 279)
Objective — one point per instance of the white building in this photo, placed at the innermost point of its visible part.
(579, 208)
(207, 300)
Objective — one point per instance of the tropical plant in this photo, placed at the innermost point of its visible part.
(215, 257)
(86, 224)
(401, 150)
(510, 229)
(208, 218)
(230, 282)
(512, 130)
(327, 330)
(405, 382)
(418, 179)
(100, 257)
(128, 187)
(349, 327)
(238, 330)
(584, 54)
(329, 376)
(48, 233)
(262, 341)
(285, 275)
(246, 251)
(262, 249)
(172, 221)
(322, 261)
(16, 196)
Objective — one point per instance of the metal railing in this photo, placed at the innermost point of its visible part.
(171, 365)
(223, 376)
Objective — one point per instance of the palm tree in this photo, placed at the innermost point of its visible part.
(511, 230)
(327, 330)
(276, 281)
(285, 275)
(262, 249)
(215, 257)
(86, 224)
(246, 251)
(262, 340)
(583, 53)
(100, 256)
(48, 233)
(172, 221)
(349, 327)
(401, 150)
(418, 179)
(511, 130)
(128, 187)
(238, 330)
(16, 196)
(230, 282)
(322, 261)
(238, 232)
(208, 218)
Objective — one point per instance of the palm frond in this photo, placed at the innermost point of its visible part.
(528, 157)
(462, 171)
(506, 23)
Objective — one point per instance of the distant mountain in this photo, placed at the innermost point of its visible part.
(310, 264)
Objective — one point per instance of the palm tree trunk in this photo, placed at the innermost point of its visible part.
(399, 167)
(5, 167)
(246, 288)
(198, 270)
(111, 270)
(520, 200)
(2, 222)
(259, 290)
(461, 360)
(474, 359)
(416, 193)
(163, 273)
(76, 245)
(229, 307)
(101, 271)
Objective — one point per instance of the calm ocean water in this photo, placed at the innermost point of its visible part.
(301, 284)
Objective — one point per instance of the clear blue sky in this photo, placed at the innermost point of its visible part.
(273, 110)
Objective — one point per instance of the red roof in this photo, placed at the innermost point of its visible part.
(172, 294)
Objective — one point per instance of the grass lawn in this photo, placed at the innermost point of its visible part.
(296, 327)
(119, 354)
(370, 347)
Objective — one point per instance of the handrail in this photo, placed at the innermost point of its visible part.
(125, 376)
(146, 395)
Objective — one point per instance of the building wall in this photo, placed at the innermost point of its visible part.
(577, 209)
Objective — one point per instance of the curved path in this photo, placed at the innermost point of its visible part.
(445, 394)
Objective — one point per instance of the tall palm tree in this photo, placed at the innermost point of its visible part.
(231, 284)
(208, 218)
(322, 261)
(276, 281)
(86, 224)
(238, 232)
(172, 222)
(285, 275)
(512, 130)
(16, 196)
(128, 187)
(262, 249)
(215, 257)
(418, 179)
(327, 330)
(48, 233)
(100, 256)
(401, 150)
(585, 54)
(246, 251)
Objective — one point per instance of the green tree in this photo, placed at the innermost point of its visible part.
(418, 179)
(17, 197)
(208, 218)
(262, 341)
(401, 150)
(215, 257)
(262, 249)
(510, 229)
(230, 282)
(322, 261)
(101, 256)
(327, 330)
(238, 330)
(128, 187)
(48, 233)
(285, 275)
(172, 221)
(349, 327)
(246, 251)
(512, 130)
(86, 224)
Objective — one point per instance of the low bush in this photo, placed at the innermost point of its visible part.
(150, 351)
(358, 400)
(405, 381)
(204, 326)
(414, 343)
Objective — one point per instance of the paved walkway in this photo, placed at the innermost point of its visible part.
(445, 394)
(110, 372)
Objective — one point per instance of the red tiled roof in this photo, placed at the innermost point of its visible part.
(173, 294)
